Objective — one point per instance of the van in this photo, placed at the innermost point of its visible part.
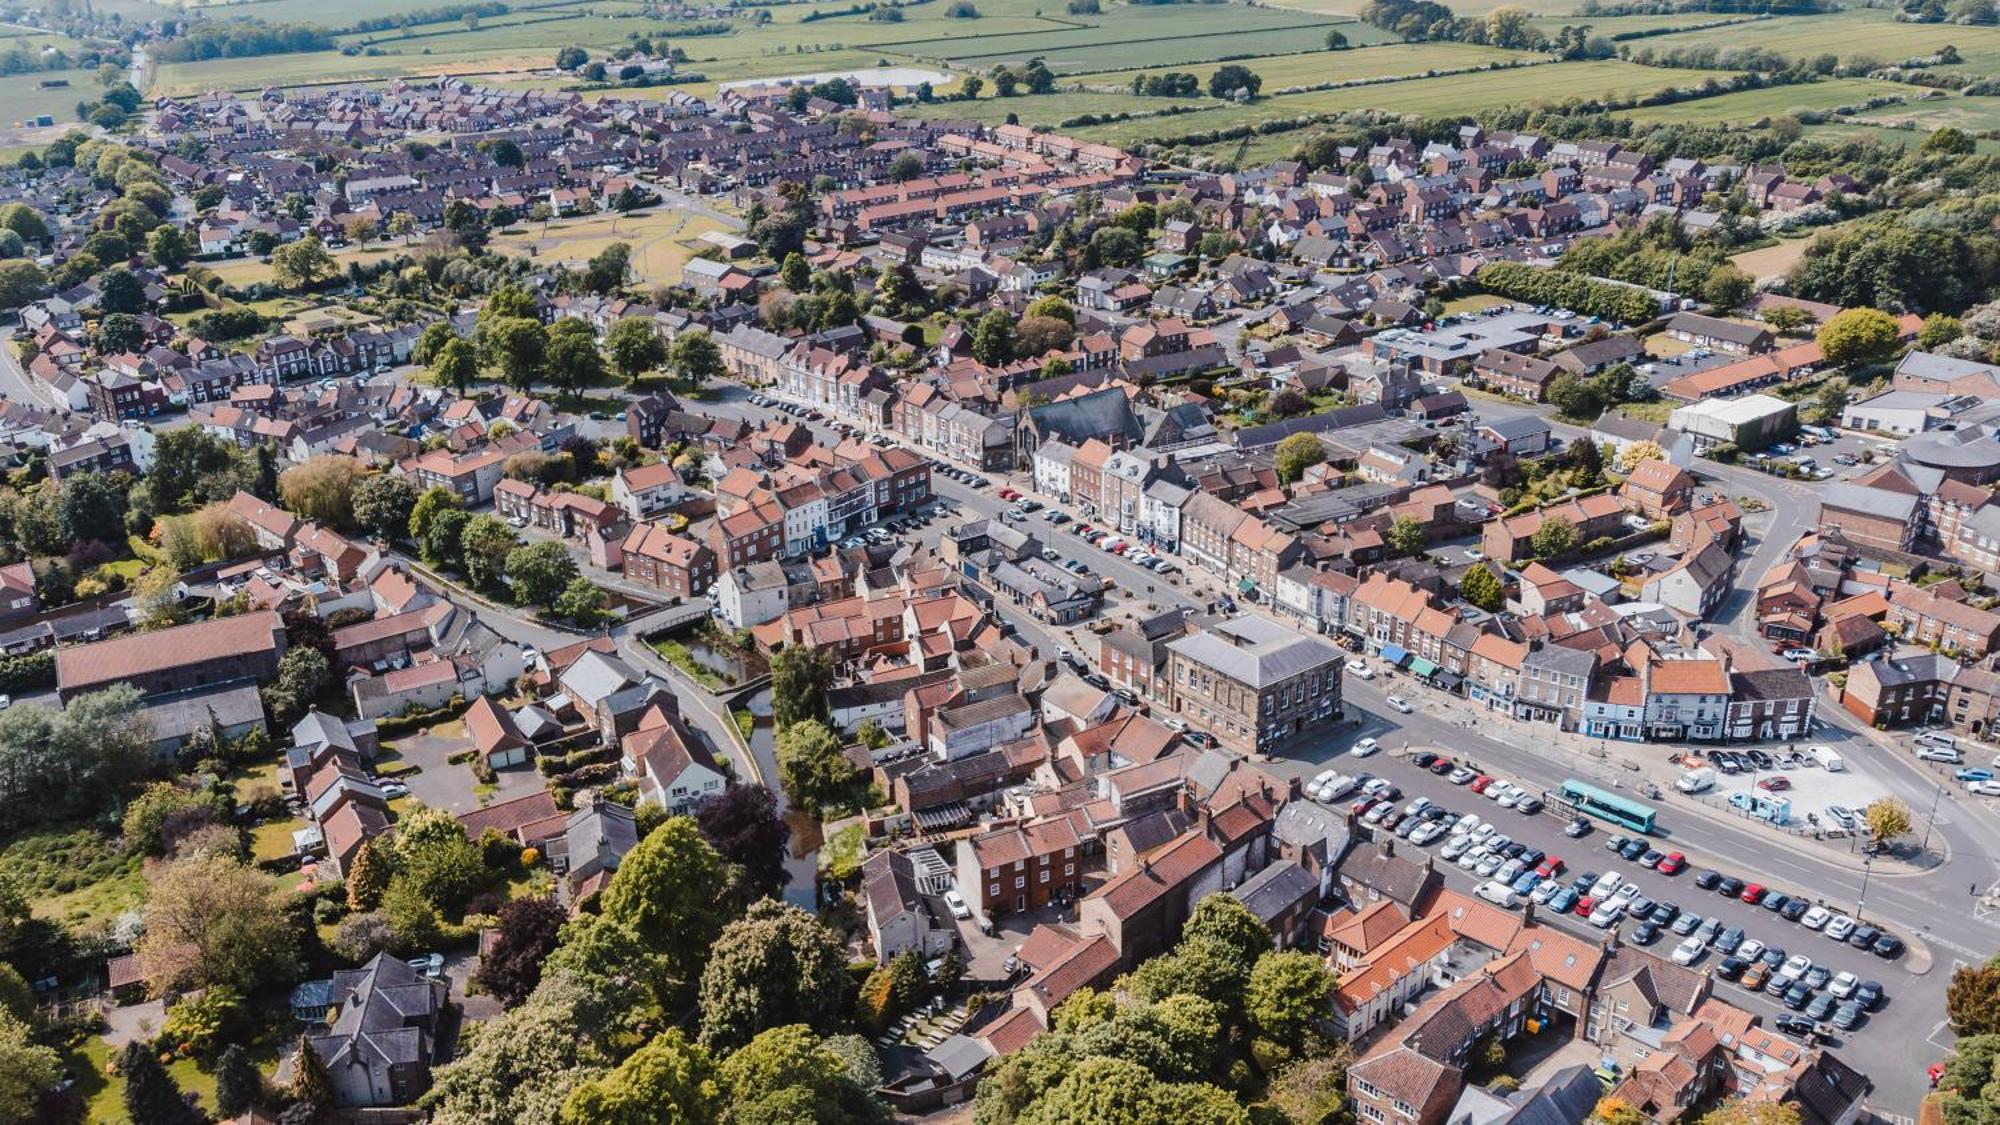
(1827, 759)
(1933, 753)
(1696, 780)
(1498, 893)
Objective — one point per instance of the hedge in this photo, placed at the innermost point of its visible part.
(31, 671)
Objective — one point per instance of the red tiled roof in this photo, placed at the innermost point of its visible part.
(120, 658)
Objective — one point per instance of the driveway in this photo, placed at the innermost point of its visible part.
(439, 783)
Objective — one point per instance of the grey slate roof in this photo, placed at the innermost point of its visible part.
(1256, 652)
(1270, 891)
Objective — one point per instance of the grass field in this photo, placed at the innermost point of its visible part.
(1858, 31)
(22, 96)
(1969, 113)
(1447, 94)
(1314, 67)
(1750, 105)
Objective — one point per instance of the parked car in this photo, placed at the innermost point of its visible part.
(1364, 747)
(1578, 828)
(1838, 927)
(956, 902)
(1707, 880)
(1672, 863)
(1689, 951)
(1815, 917)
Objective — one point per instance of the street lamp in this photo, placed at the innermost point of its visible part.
(1930, 817)
(1867, 869)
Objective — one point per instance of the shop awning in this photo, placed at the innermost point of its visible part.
(1245, 585)
(1395, 654)
(1423, 667)
(1449, 681)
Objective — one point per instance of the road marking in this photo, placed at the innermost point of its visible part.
(1943, 1028)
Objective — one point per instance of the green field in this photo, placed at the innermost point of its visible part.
(1972, 114)
(22, 95)
(1751, 105)
(1609, 26)
(1859, 31)
(1447, 94)
(1853, 129)
(1315, 67)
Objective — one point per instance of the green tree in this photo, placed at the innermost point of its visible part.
(151, 1094)
(91, 507)
(24, 221)
(120, 291)
(800, 678)
(239, 1085)
(1787, 319)
(302, 264)
(606, 271)
(120, 332)
(483, 550)
(1297, 453)
(695, 358)
(671, 889)
(1481, 588)
(776, 965)
(1972, 999)
(21, 281)
(1286, 1001)
(384, 502)
(1336, 40)
(1051, 306)
(635, 348)
(796, 274)
(581, 602)
(1727, 287)
(572, 357)
(322, 489)
(1863, 335)
(1939, 329)
(169, 246)
(432, 501)
(993, 339)
(455, 365)
(1234, 80)
(669, 1081)
(787, 1074)
(1312, 1091)
(311, 1084)
(810, 765)
(1555, 537)
(1617, 1111)
(368, 876)
(1407, 537)
(1575, 398)
(27, 1070)
(540, 572)
(518, 345)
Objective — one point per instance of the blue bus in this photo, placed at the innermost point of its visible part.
(1606, 805)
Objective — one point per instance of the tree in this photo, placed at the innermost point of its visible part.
(1114, 246)
(322, 489)
(695, 358)
(1939, 329)
(368, 876)
(1972, 1000)
(1051, 306)
(744, 826)
(777, 965)
(993, 339)
(1286, 1000)
(120, 291)
(434, 500)
(669, 1080)
(1856, 336)
(1555, 537)
(1887, 819)
(799, 680)
(455, 365)
(540, 571)
(1481, 588)
(606, 271)
(1312, 1091)
(572, 357)
(1039, 335)
(24, 221)
(383, 502)
(1336, 41)
(239, 1085)
(635, 348)
(1234, 80)
(1296, 454)
(303, 672)
(580, 602)
(21, 281)
(569, 58)
(670, 890)
(163, 812)
(1727, 287)
(1617, 1111)
(1574, 397)
(27, 1070)
(301, 264)
(483, 550)
(211, 920)
(1787, 319)
(813, 770)
(1739, 1112)
(120, 332)
(151, 1094)
(520, 348)
(91, 507)
(525, 934)
(1640, 452)
(787, 1074)
(1407, 537)
(436, 861)
(311, 1084)
(1224, 918)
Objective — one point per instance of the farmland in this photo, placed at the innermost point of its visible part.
(1857, 32)
(22, 95)
(1750, 105)
(1316, 67)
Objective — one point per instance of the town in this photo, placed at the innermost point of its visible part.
(947, 619)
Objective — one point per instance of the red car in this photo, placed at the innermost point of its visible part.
(1009, 494)
(1550, 867)
(1776, 784)
(1673, 864)
(1752, 893)
(1363, 805)
(1584, 906)
(1480, 783)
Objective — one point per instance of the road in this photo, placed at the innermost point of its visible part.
(17, 384)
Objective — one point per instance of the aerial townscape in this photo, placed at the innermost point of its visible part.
(797, 562)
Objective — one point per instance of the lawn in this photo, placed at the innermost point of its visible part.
(74, 874)
(1751, 105)
(662, 240)
(22, 96)
(1846, 34)
(1313, 68)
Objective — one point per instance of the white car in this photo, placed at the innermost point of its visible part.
(1339, 787)
(1815, 918)
(956, 902)
(1498, 893)
(1607, 914)
(1472, 858)
(1546, 890)
(1976, 788)
(1365, 747)
(1839, 926)
(394, 789)
(1795, 966)
(1375, 787)
(1455, 847)
(1843, 984)
(1468, 824)
(1400, 704)
(1689, 951)
(1491, 863)
(1360, 669)
(1483, 833)
(1509, 871)
(1749, 951)
(1431, 830)
(1625, 894)
(1316, 789)
(1606, 883)
(1513, 796)
(1379, 813)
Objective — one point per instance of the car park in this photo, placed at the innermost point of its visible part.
(1646, 933)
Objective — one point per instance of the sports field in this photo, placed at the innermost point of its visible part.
(22, 96)
(1752, 105)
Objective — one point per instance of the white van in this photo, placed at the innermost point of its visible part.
(1696, 780)
(1498, 893)
(1827, 759)
(1936, 738)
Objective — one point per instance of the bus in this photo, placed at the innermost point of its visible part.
(1606, 805)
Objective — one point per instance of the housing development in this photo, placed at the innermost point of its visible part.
(605, 592)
